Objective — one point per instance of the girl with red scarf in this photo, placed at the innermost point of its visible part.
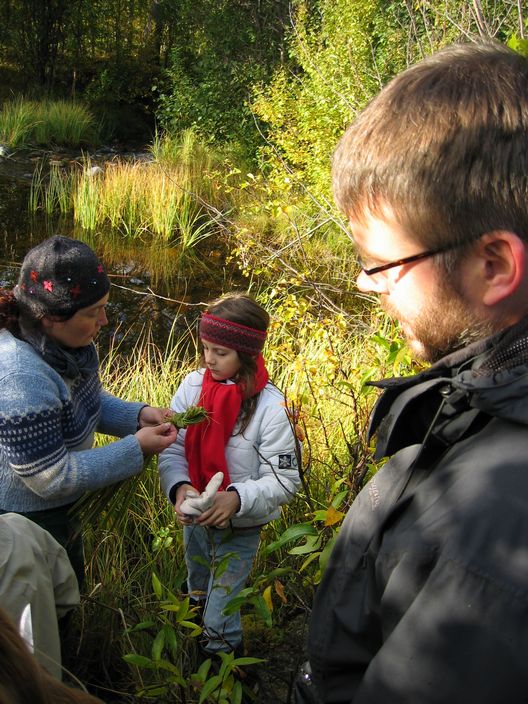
(248, 437)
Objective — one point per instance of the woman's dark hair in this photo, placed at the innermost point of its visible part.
(242, 309)
(9, 311)
(13, 313)
(23, 680)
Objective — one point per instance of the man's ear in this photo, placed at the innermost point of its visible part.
(503, 265)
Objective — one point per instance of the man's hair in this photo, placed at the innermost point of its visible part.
(444, 146)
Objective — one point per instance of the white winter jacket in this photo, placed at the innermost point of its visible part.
(262, 461)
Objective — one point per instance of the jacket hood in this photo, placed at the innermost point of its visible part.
(489, 377)
(497, 379)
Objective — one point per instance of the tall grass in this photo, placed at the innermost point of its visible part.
(60, 122)
(17, 121)
(321, 365)
(174, 201)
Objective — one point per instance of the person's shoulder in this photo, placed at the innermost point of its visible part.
(194, 378)
(273, 393)
(17, 355)
(271, 399)
(8, 342)
(191, 382)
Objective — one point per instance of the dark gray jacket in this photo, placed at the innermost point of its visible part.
(425, 598)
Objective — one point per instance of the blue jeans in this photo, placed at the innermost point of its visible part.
(205, 548)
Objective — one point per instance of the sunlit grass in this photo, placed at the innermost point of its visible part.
(60, 122)
(169, 201)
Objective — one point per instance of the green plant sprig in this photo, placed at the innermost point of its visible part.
(192, 416)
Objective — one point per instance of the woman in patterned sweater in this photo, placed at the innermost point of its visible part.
(51, 400)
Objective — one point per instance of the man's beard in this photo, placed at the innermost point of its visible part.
(445, 325)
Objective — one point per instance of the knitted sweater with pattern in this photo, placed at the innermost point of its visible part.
(47, 425)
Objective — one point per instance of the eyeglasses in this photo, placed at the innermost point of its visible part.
(408, 260)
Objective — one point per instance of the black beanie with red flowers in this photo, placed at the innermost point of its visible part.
(59, 277)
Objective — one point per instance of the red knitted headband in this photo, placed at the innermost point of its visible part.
(233, 335)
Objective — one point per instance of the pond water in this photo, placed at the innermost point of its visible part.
(152, 293)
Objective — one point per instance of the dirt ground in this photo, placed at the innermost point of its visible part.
(284, 651)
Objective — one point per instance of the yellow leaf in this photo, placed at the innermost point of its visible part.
(280, 591)
(267, 598)
(333, 516)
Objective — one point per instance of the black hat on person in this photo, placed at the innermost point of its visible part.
(59, 277)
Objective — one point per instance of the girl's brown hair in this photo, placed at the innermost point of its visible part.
(9, 310)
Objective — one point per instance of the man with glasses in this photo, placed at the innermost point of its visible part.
(425, 598)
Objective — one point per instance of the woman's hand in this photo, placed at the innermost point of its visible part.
(154, 439)
(182, 493)
(225, 505)
(150, 416)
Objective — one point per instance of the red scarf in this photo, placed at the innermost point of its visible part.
(205, 443)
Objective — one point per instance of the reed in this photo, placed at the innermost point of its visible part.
(51, 192)
(140, 198)
(17, 122)
(85, 199)
(163, 205)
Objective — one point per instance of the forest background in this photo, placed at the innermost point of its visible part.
(241, 103)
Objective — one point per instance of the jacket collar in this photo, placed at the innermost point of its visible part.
(482, 377)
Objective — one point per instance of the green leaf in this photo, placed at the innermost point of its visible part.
(169, 666)
(223, 565)
(141, 626)
(278, 572)
(156, 585)
(236, 696)
(309, 560)
(171, 640)
(152, 692)
(158, 645)
(339, 498)
(313, 543)
(209, 687)
(204, 669)
(246, 660)
(234, 605)
(320, 515)
(292, 533)
(194, 627)
(263, 611)
(518, 44)
(325, 554)
(139, 661)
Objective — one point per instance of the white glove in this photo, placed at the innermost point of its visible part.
(194, 503)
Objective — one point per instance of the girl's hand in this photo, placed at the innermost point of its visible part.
(225, 505)
(181, 494)
(154, 439)
(150, 416)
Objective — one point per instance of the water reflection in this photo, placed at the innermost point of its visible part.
(153, 290)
